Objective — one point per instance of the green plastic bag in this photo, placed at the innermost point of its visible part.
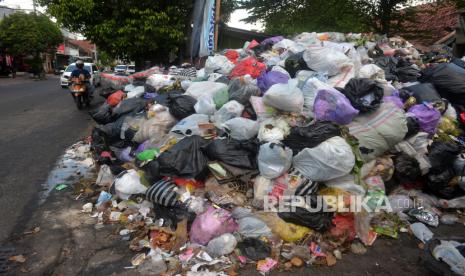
(220, 98)
(148, 155)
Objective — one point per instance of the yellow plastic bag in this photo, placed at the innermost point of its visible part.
(289, 232)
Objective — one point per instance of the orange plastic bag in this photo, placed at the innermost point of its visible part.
(115, 98)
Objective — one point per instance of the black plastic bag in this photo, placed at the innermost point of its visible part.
(152, 171)
(241, 91)
(364, 94)
(311, 136)
(173, 215)
(185, 159)
(101, 115)
(406, 169)
(438, 183)
(254, 249)
(181, 106)
(129, 106)
(413, 126)
(241, 154)
(295, 63)
(442, 155)
(423, 92)
(449, 81)
(318, 221)
(389, 65)
(408, 73)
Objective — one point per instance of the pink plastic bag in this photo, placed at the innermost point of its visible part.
(211, 224)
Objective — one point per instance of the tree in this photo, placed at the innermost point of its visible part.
(130, 29)
(22, 33)
(292, 16)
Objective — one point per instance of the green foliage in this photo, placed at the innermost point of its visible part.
(128, 29)
(294, 16)
(22, 33)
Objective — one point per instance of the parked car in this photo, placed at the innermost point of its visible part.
(131, 69)
(92, 68)
(121, 69)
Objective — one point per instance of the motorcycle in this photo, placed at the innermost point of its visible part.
(78, 88)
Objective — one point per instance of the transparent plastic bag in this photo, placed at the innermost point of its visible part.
(274, 160)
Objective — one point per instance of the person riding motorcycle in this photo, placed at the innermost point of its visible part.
(80, 70)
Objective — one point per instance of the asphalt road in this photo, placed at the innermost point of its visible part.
(38, 120)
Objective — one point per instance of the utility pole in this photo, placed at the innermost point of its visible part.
(217, 21)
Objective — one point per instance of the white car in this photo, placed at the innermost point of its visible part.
(121, 69)
(92, 68)
(131, 69)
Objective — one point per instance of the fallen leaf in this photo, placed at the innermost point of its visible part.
(17, 258)
(330, 259)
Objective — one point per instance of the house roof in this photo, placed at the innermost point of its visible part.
(86, 45)
(432, 23)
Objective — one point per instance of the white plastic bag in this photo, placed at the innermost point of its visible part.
(159, 80)
(421, 232)
(273, 130)
(372, 71)
(281, 70)
(309, 90)
(205, 88)
(218, 64)
(331, 159)
(346, 183)
(447, 252)
(285, 96)
(263, 111)
(205, 105)
(128, 183)
(326, 60)
(229, 110)
(190, 125)
(136, 92)
(274, 160)
(104, 177)
(155, 128)
(241, 128)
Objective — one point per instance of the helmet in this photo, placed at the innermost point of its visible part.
(80, 64)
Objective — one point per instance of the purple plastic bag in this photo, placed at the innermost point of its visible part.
(267, 79)
(427, 116)
(395, 100)
(142, 147)
(332, 105)
(211, 224)
(272, 40)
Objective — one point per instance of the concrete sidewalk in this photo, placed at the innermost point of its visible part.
(21, 78)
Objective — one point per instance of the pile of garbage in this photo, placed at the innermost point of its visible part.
(262, 155)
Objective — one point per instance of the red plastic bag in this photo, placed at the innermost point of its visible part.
(232, 56)
(252, 44)
(115, 98)
(249, 66)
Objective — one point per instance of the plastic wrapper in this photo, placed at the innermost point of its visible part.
(332, 105)
(286, 97)
(274, 160)
(331, 159)
(424, 215)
